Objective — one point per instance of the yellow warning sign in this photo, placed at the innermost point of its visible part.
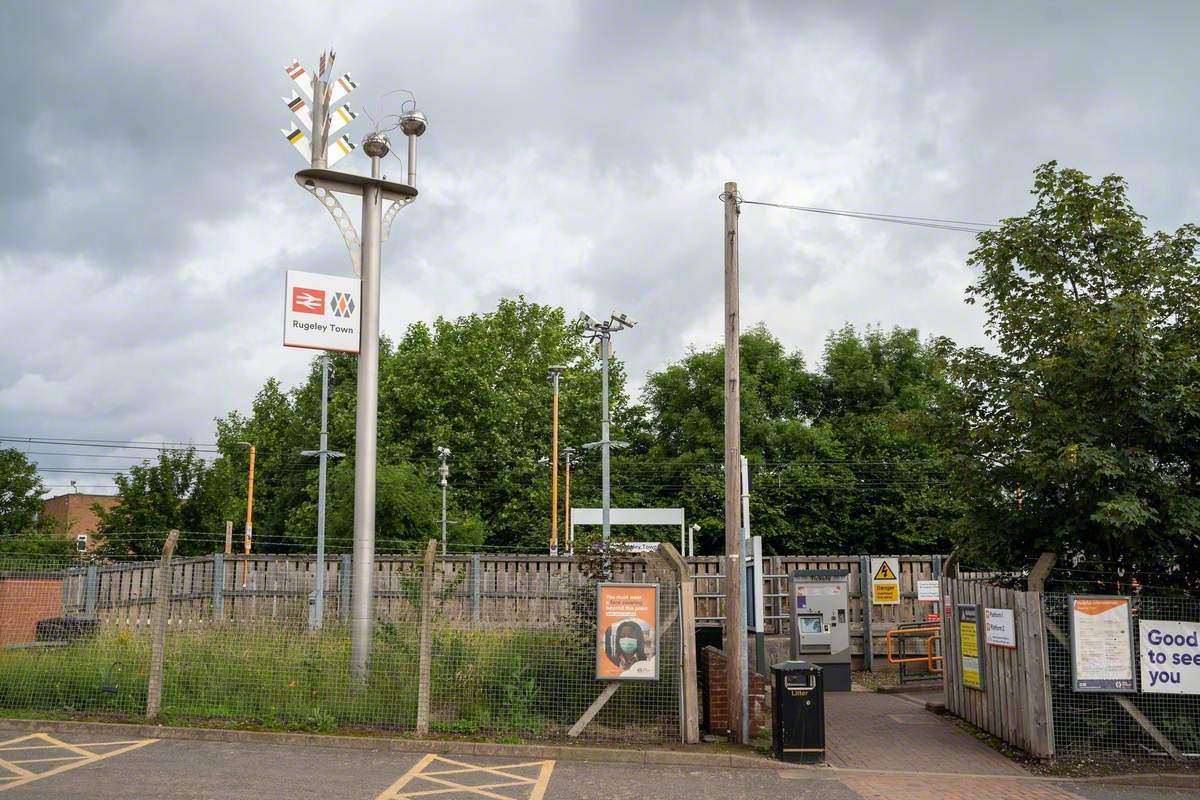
(884, 573)
(886, 593)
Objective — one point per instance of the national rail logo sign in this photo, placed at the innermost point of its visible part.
(321, 312)
(307, 301)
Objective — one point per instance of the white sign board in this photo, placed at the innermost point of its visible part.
(927, 592)
(885, 581)
(1101, 644)
(1000, 630)
(1170, 657)
(321, 312)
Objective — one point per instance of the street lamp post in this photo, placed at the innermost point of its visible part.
(325, 184)
(602, 332)
(555, 373)
(317, 612)
(249, 512)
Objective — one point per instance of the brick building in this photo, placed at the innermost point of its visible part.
(75, 516)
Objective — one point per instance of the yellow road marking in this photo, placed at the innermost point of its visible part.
(80, 757)
(507, 780)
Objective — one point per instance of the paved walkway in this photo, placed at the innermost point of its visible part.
(872, 731)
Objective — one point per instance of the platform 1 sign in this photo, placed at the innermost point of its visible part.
(885, 581)
(321, 312)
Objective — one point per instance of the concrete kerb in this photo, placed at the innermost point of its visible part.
(396, 745)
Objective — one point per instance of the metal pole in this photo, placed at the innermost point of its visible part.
(249, 518)
(567, 503)
(554, 375)
(443, 515)
(365, 433)
(605, 346)
(744, 479)
(735, 614)
(318, 614)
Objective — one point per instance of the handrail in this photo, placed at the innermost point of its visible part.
(934, 635)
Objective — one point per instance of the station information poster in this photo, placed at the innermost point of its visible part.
(1170, 656)
(627, 632)
(968, 637)
(1101, 644)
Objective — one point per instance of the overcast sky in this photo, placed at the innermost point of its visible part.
(575, 154)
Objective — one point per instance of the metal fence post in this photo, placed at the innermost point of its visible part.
(424, 656)
(475, 579)
(218, 588)
(864, 589)
(344, 587)
(91, 588)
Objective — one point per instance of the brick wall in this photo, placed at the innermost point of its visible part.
(24, 602)
(710, 673)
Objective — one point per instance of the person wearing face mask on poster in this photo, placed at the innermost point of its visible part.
(631, 645)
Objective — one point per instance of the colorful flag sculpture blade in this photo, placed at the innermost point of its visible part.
(298, 107)
(338, 148)
(341, 87)
(300, 142)
(302, 79)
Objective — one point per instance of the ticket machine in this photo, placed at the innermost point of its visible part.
(821, 624)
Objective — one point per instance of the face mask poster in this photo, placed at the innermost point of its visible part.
(627, 632)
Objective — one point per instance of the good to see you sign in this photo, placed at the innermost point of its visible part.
(321, 312)
(1170, 657)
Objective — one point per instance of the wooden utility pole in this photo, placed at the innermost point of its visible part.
(735, 614)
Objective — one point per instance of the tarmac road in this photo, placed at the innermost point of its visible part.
(82, 765)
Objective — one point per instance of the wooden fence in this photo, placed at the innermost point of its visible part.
(1014, 701)
(480, 588)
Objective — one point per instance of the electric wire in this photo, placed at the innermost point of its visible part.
(897, 219)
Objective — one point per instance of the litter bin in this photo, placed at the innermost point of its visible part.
(798, 724)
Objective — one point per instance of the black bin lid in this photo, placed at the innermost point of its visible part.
(793, 667)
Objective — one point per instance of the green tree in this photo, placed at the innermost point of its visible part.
(24, 530)
(156, 497)
(836, 464)
(1080, 435)
(20, 493)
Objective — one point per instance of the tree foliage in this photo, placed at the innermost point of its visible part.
(1080, 435)
(835, 464)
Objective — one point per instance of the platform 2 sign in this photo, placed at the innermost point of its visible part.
(885, 581)
(1101, 644)
(969, 644)
(1170, 656)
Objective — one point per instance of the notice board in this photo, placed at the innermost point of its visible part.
(1101, 644)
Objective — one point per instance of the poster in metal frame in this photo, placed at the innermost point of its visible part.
(1098, 684)
(966, 617)
(619, 606)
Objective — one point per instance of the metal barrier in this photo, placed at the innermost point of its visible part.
(932, 659)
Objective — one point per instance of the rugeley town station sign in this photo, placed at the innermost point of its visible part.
(321, 312)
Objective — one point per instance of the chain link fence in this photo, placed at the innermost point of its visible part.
(511, 645)
(1119, 726)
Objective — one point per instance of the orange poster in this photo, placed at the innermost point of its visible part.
(627, 631)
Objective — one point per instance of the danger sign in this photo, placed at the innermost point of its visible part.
(885, 581)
